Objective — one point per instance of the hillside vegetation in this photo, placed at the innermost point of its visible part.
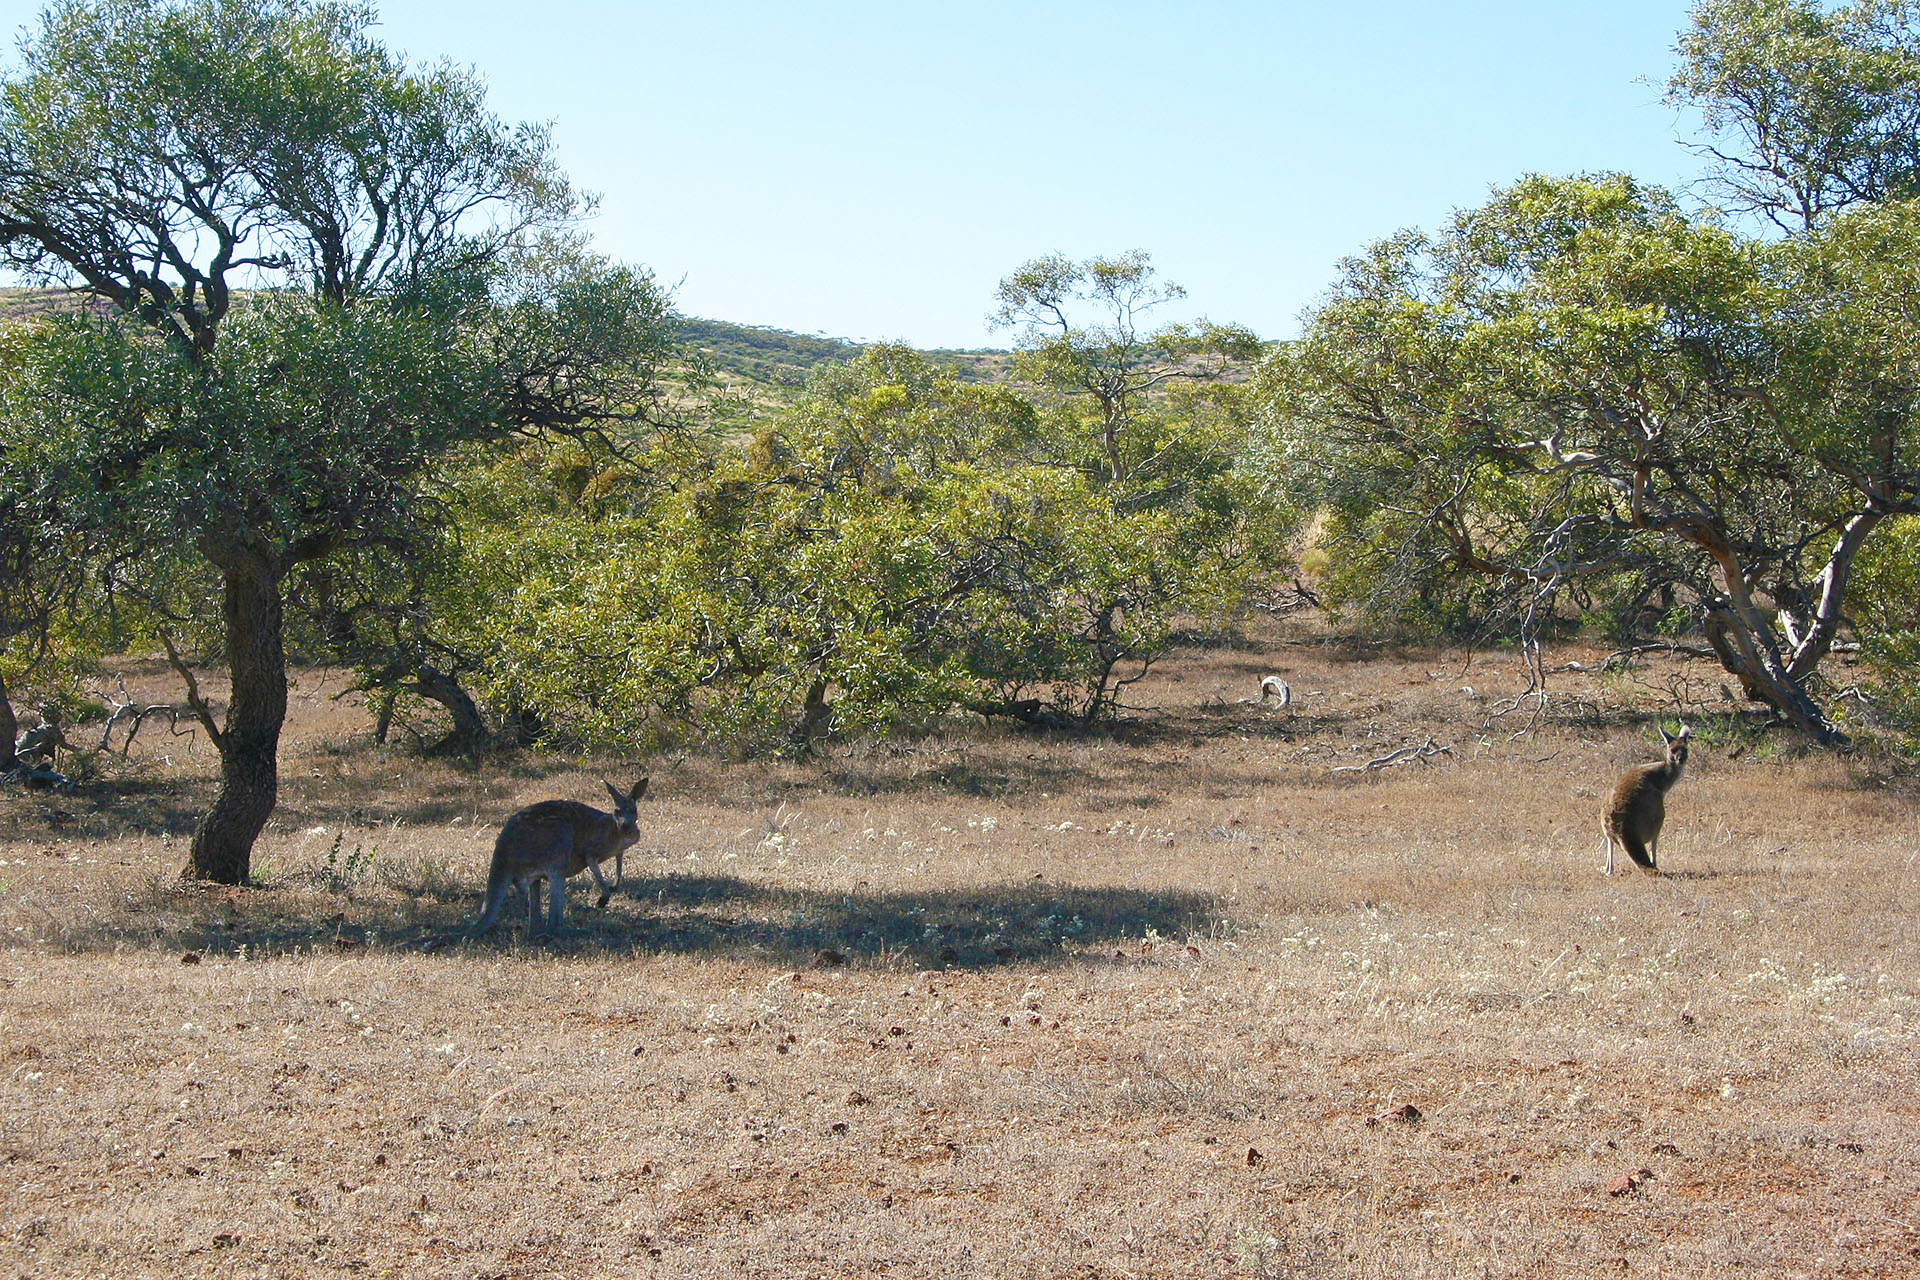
(778, 357)
(737, 352)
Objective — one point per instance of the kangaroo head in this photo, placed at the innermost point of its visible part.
(1676, 745)
(625, 811)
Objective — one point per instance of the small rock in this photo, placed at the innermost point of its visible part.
(1254, 1157)
(191, 957)
(1405, 1113)
(1626, 1183)
(827, 957)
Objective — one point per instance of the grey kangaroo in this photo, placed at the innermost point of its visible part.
(1639, 804)
(555, 839)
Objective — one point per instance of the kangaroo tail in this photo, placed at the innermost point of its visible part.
(497, 883)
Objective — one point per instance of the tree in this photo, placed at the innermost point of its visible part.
(1109, 361)
(1578, 380)
(898, 546)
(323, 269)
(1819, 108)
(815, 580)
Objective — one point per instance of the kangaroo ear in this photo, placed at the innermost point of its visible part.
(614, 791)
(639, 789)
(1684, 734)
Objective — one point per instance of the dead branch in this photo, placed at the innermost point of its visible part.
(125, 708)
(42, 743)
(1669, 647)
(1285, 600)
(201, 710)
(1425, 751)
(38, 777)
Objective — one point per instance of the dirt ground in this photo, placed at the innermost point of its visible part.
(1204, 997)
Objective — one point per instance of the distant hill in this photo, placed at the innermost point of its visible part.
(774, 358)
(762, 354)
(781, 358)
(24, 304)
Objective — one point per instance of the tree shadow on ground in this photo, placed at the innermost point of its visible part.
(977, 927)
(110, 806)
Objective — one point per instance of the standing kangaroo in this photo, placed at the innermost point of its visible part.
(555, 839)
(1639, 804)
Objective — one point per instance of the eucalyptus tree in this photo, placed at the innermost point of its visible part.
(1811, 108)
(1580, 380)
(1083, 331)
(897, 546)
(318, 268)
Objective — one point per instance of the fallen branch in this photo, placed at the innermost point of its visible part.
(1425, 751)
(38, 778)
(127, 709)
(1671, 648)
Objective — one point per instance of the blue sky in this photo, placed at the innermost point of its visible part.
(872, 170)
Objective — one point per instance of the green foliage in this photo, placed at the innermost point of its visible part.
(1079, 332)
(1819, 107)
(757, 353)
(762, 365)
(899, 545)
(1579, 392)
(342, 873)
(1884, 601)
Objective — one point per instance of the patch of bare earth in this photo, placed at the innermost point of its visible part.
(1181, 1002)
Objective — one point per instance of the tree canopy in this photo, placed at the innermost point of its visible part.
(320, 270)
(1812, 108)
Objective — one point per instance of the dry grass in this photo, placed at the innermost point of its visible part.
(1140, 1006)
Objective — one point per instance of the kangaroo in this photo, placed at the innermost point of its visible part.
(1639, 804)
(555, 839)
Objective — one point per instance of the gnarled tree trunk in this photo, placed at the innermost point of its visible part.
(9, 727)
(1749, 649)
(249, 743)
(469, 733)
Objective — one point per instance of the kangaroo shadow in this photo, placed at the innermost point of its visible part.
(972, 928)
